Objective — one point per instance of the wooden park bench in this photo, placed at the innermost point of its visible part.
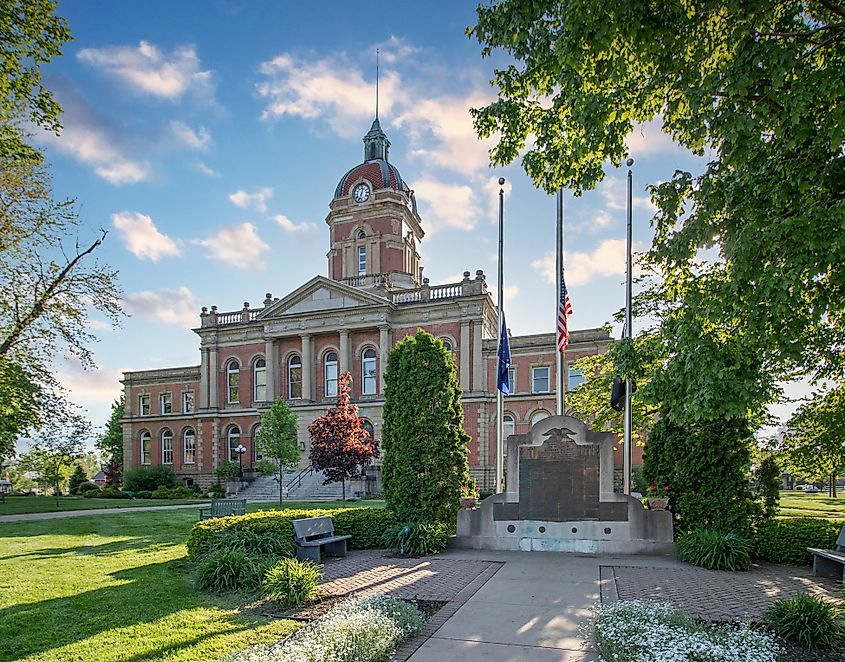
(830, 563)
(315, 533)
(223, 508)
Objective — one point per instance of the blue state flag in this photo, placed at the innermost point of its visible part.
(503, 379)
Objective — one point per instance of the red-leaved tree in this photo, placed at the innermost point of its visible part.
(340, 446)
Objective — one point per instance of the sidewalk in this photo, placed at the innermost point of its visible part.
(26, 517)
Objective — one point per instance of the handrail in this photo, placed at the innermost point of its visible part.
(298, 478)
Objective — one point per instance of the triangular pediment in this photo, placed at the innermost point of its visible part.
(321, 294)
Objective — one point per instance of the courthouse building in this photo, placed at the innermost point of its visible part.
(294, 347)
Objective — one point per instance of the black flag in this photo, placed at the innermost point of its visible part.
(617, 393)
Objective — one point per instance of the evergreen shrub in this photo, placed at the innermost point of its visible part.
(365, 525)
(714, 550)
(84, 487)
(112, 493)
(424, 444)
(786, 540)
(144, 494)
(91, 494)
(148, 478)
(804, 618)
(76, 479)
(292, 582)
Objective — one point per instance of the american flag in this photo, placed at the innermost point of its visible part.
(564, 310)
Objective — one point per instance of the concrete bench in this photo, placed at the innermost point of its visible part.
(223, 508)
(830, 563)
(313, 534)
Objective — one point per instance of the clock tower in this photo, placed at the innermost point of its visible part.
(374, 226)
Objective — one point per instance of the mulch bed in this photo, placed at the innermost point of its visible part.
(794, 652)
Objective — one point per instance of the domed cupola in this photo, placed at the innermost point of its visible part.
(375, 168)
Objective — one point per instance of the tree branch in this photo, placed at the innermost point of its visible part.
(41, 302)
(832, 6)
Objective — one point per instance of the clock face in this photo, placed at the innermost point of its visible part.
(361, 193)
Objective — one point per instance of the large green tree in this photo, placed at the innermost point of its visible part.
(30, 35)
(757, 87)
(425, 464)
(814, 444)
(54, 450)
(110, 443)
(276, 439)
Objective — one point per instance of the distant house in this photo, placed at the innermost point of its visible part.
(100, 479)
(5, 486)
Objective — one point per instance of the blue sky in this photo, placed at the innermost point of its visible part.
(208, 138)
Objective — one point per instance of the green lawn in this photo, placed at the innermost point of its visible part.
(16, 505)
(794, 503)
(116, 588)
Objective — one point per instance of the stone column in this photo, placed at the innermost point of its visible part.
(465, 358)
(343, 359)
(307, 362)
(384, 350)
(477, 357)
(270, 368)
(203, 394)
(213, 379)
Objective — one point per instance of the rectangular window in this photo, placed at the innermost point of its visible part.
(233, 390)
(512, 379)
(295, 382)
(261, 385)
(187, 402)
(576, 377)
(146, 450)
(331, 380)
(540, 380)
(369, 368)
(362, 260)
(190, 447)
(165, 401)
(144, 404)
(167, 449)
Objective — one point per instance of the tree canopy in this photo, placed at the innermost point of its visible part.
(110, 443)
(759, 89)
(276, 438)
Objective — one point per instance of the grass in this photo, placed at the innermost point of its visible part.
(801, 504)
(116, 588)
(18, 505)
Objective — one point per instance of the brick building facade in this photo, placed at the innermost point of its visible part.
(295, 347)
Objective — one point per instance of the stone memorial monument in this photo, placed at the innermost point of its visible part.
(560, 497)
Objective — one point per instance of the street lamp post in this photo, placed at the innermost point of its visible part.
(240, 450)
(627, 419)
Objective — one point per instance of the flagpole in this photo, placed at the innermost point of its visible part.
(500, 290)
(627, 422)
(558, 274)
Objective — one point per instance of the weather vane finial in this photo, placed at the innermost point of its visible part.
(377, 83)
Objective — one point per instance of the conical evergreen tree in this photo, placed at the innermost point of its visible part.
(424, 443)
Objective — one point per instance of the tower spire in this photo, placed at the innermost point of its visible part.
(377, 83)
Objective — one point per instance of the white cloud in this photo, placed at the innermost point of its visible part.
(614, 190)
(446, 205)
(608, 259)
(124, 172)
(649, 138)
(90, 386)
(257, 200)
(142, 238)
(145, 69)
(177, 307)
(289, 226)
(238, 245)
(199, 139)
(205, 170)
(99, 325)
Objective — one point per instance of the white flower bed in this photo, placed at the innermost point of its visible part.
(639, 631)
(367, 629)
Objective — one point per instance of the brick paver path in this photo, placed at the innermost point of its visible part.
(428, 578)
(714, 595)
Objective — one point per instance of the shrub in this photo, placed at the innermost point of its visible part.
(148, 478)
(161, 493)
(292, 582)
(144, 494)
(227, 570)
(252, 543)
(635, 630)
(365, 525)
(786, 540)
(91, 494)
(367, 629)
(76, 479)
(417, 537)
(112, 493)
(714, 550)
(804, 618)
(84, 487)
(228, 471)
(180, 492)
(216, 491)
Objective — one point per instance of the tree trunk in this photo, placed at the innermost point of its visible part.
(343, 488)
(281, 480)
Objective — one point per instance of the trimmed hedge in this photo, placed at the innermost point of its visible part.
(786, 540)
(365, 525)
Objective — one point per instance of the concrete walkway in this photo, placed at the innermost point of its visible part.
(532, 609)
(26, 517)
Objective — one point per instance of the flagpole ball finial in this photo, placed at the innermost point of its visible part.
(629, 162)
(501, 181)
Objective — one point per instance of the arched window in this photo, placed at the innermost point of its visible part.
(330, 374)
(368, 426)
(510, 428)
(233, 382)
(361, 235)
(447, 344)
(189, 443)
(538, 416)
(166, 447)
(234, 440)
(368, 372)
(259, 380)
(294, 378)
(146, 446)
(255, 454)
